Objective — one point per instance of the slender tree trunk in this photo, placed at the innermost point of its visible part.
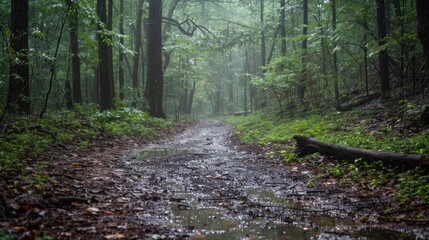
(301, 85)
(263, 42)
(400, 24)
(67, 91)
(383, 57)
(247, 71)
(334, 28)
(263, 51)
(365, 54)
(110, 50)
(325, 54)
(74, 51)
(19, 75)
(155, 81)
(121, 52)
(137, 46)
(283, 27)
(423, 26)
(106, 99)
(191, 98)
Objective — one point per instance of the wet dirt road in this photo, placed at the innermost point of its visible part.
(201, 187)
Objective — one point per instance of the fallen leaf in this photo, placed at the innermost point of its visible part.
(87, 229)
(92, 210)
(115, 236)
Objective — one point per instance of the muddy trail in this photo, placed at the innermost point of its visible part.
(206, 189)
(195, 184)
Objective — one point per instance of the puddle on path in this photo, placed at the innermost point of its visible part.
(161, 152)
(210, 192)
(217, 222)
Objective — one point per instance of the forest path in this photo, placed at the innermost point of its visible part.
(208, 189)
(195, 184)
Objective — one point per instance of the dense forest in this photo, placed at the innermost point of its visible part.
(305, 82)
(210, 57)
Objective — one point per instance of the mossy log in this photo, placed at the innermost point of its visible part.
(306, 145)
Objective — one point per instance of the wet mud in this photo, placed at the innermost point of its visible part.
(206, 189)
(195, 184)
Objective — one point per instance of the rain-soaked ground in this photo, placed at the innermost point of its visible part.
(192, 185)
(206, 189)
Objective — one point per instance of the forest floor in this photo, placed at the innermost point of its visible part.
(197, 183)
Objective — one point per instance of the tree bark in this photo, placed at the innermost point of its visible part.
(423, 26)
(121, 52)
(306, 145)
(383, 59)
(106, 99)
(263, 44)
(155, 81)
(19, 84)
(302, 83)
(137, 46)
(283, 27)
(74, 51)
(110, 50)
(334, 55)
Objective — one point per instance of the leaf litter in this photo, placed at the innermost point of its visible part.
(195, 184)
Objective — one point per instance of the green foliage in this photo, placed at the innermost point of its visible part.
(340, 128)
(349, 129)
(413, 184)
(68, 127)
(5, 236)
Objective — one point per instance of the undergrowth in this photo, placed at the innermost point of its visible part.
(348, 129)
(25, 138)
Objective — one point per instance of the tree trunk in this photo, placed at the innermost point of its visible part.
(191, 98)
(301, 85)
(137, 46)
(106, 99)
(74, 51)
(19, 84)
(67, 91)
(263, 44)
(423, 26)
(121, 52)
(110, 50)
(334, 57)
(383, 59)
(155, 81)
(306, 145)
(283, 27)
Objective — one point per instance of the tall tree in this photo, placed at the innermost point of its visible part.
(137, 46)
(155, 78)
(334, 55)
(383, 59)
(301, 84)
(121, 52)
(74, 51)
(283, 26)
(423, 26)
(106, 98)
(110, 49)
(19, 84)
(263, 40)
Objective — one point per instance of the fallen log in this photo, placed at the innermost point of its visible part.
(359, 102)
(306, 145)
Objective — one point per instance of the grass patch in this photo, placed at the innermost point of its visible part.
(346, 129)
(349, 129)
(27, 138)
